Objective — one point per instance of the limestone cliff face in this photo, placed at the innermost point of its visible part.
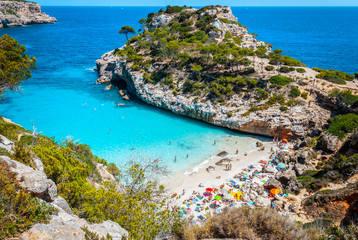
(13, 13)
(296, 122)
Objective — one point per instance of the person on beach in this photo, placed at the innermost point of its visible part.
(183, 192)
(237, 151)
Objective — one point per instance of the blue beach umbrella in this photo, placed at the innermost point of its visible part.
(282, 165)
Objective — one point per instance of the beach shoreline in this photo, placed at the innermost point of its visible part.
(189, 181)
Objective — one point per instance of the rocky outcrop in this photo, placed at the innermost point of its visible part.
(64, 225)
(235, 114)
(32, 181)
(17, 13)
(271, 122)
(329, 142)
(6, 144)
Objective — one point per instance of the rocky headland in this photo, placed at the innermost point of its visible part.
(21, 13)
(177, 64)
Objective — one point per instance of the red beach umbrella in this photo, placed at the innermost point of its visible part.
(209, 189)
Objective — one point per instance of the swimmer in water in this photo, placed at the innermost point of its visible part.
(175, 159)
(214, 142)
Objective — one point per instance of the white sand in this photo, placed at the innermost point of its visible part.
(176, 182)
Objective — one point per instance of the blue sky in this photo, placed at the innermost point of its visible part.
(198, 2)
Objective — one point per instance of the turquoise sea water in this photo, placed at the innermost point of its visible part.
(62, 101)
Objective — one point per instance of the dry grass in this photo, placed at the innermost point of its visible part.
(248, 223)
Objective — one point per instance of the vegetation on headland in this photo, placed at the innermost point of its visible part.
(15, 65)
(334, 76)
(213, 71)
(342, 124)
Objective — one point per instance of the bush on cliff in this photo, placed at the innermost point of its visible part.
(280, 80)
(342, 124)
(250, 223)
(345, 96)
(295, 92)
(18, 210)
(334, 76)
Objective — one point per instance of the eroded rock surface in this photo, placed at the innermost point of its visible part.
(14, 13)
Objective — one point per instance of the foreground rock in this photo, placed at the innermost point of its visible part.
(67, 227)
(64, 225)
(34, 182)
(15, 13)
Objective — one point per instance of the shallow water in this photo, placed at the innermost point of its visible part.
(62, 101)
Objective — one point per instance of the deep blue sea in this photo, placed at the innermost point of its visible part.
(62, 101)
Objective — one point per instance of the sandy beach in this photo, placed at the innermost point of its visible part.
(189, 181)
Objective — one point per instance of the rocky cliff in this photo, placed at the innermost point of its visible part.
(64, 224)
(295, 122)
(161, 76)
(20, 13)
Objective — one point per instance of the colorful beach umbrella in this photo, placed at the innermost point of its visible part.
(217, 202)
(217, 197)
(209, 189)
(274, 191)
(282, 165)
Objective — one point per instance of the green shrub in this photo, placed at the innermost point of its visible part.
(229, 114)
(356, 75)
(135, 67)
(342, 124)
(304, 95)
(174, 9)
(113, 169)
(283, 108)
(269, 68)
(285, 69)
(276, 99)
(280, 80)
(295, 92)
(249, 70)
(300, 70)
(334, 76)
(345, 96)
(261, 94)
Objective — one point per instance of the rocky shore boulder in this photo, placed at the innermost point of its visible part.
(20, 13)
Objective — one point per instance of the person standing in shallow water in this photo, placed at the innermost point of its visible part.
(214, 142)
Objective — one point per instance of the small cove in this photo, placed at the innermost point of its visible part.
(62, 100)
